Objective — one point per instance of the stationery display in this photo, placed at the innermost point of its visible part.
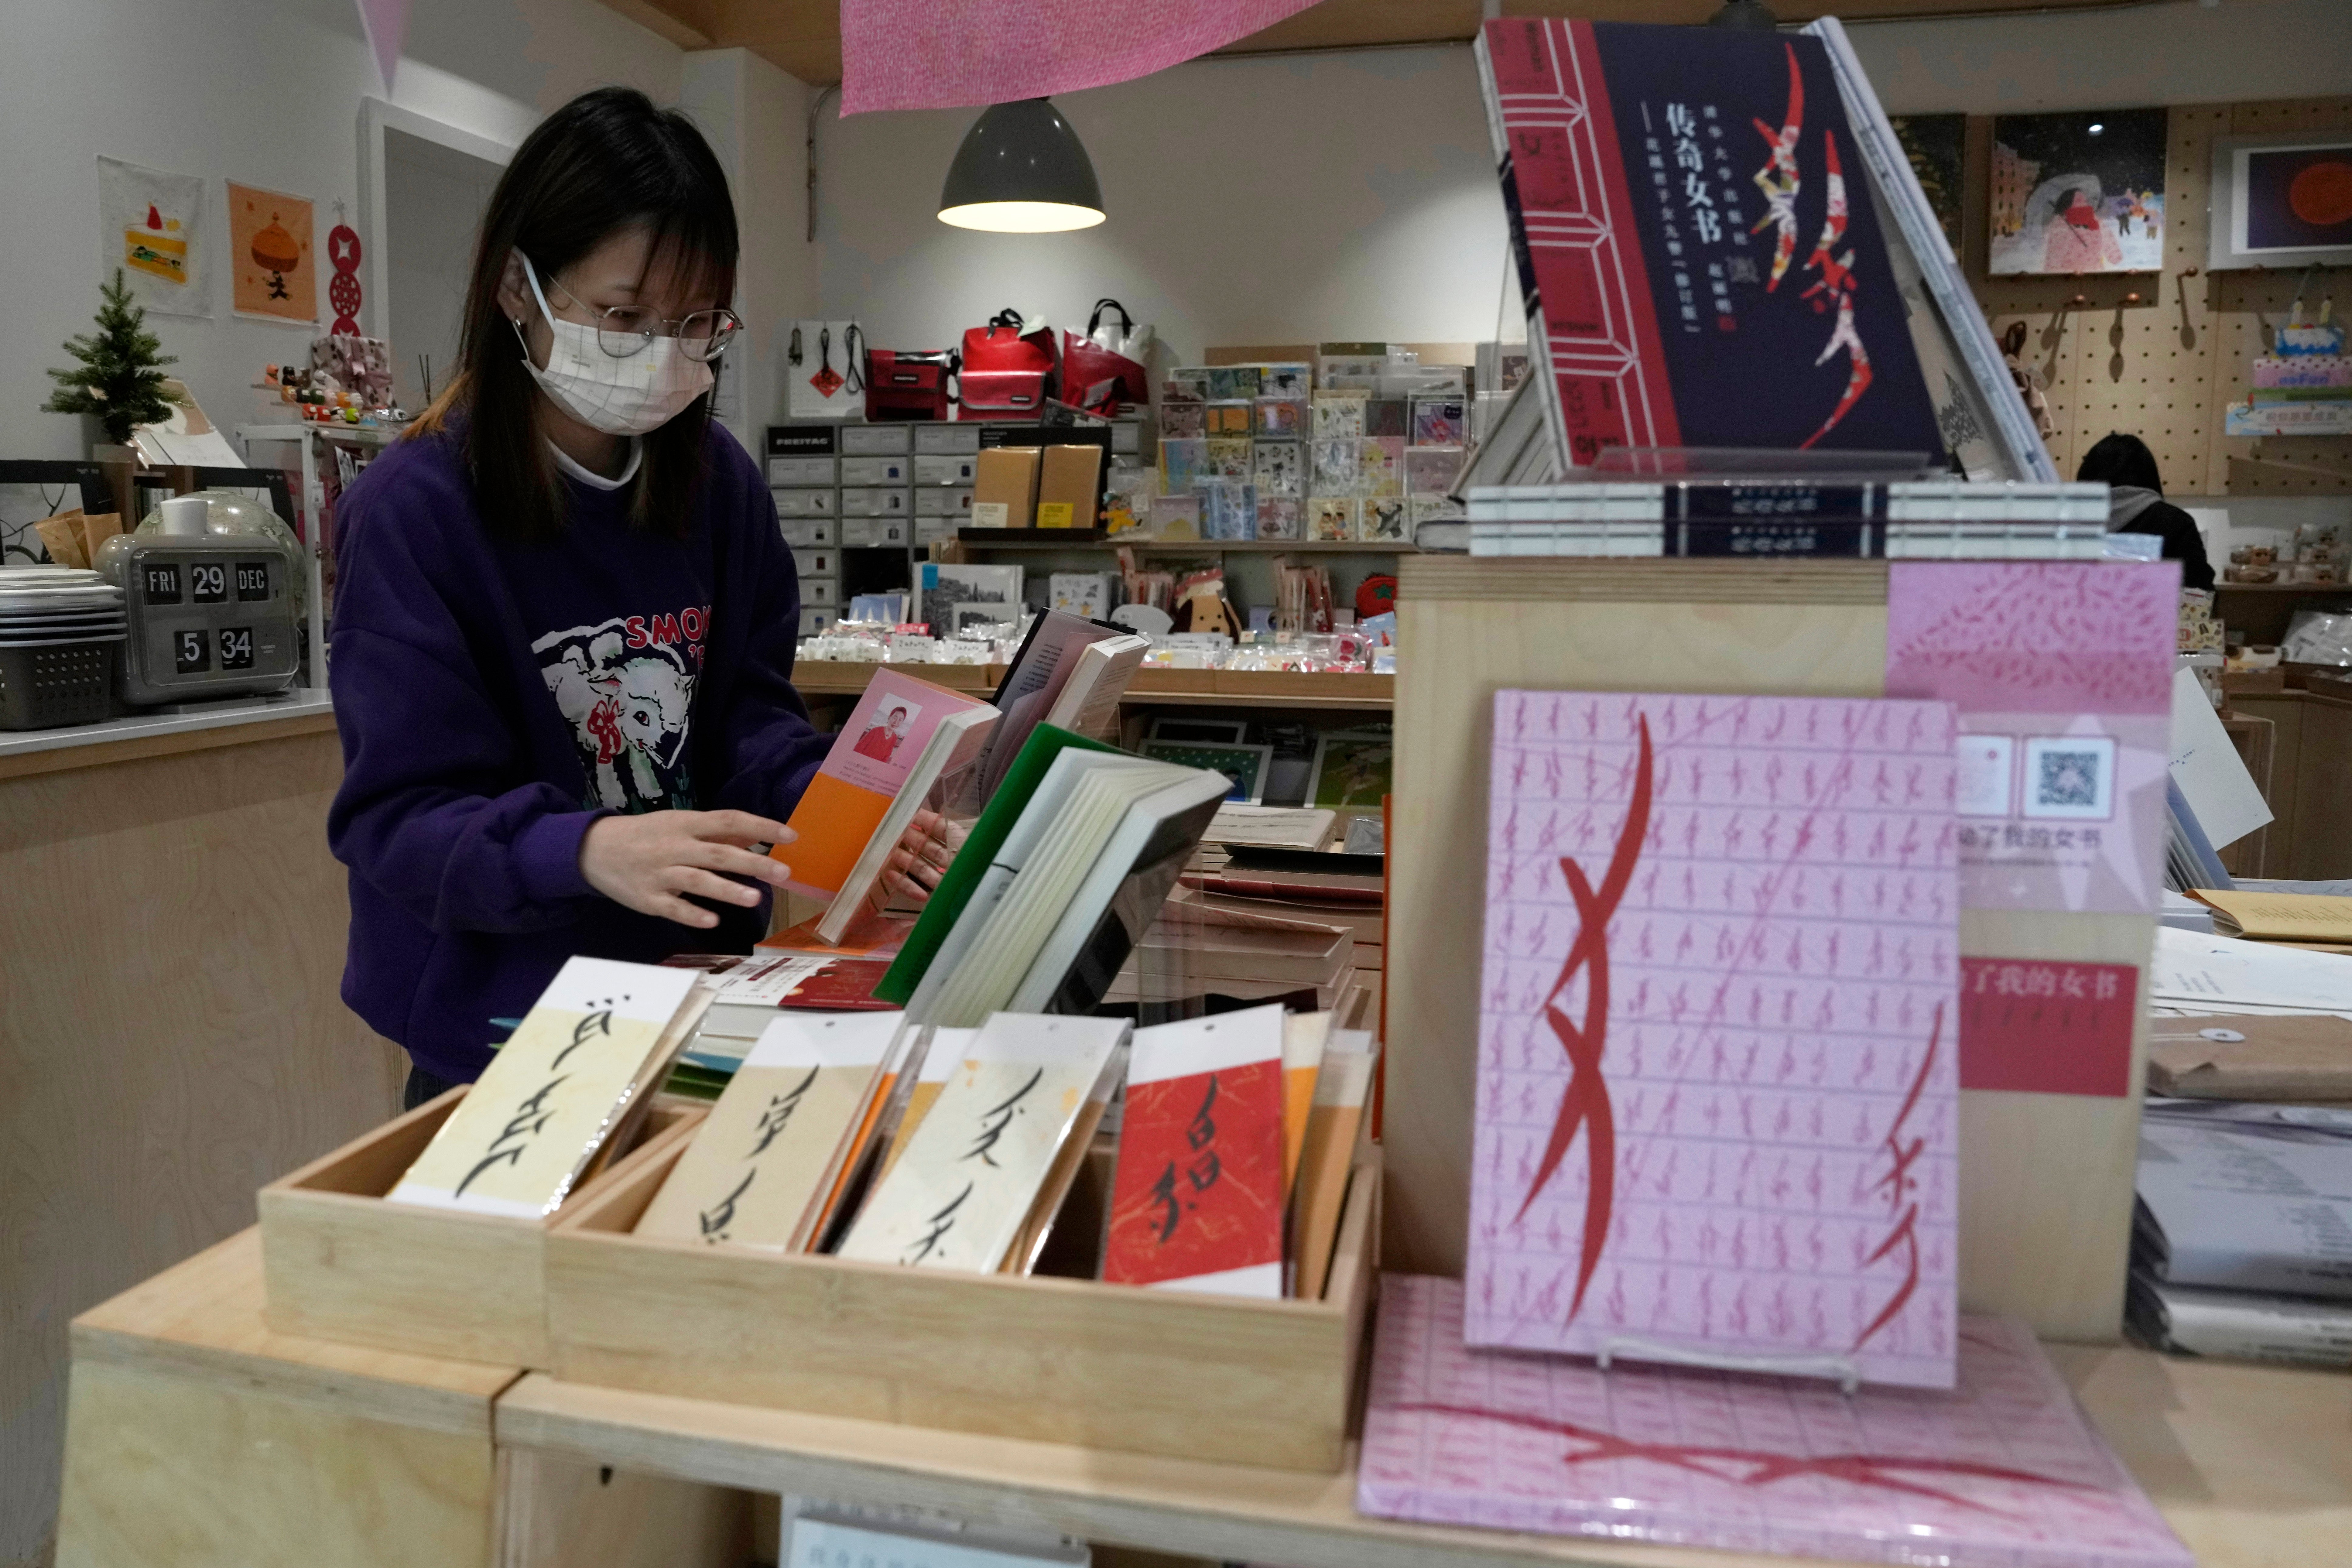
(1335, 1131)
(2001, 1472)
(560, 1094)
(779, 1140)
(1197, 1203)
(973, 1169)
(2245, 1197)
(1718, 1099)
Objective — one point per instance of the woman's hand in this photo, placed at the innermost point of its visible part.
(648, 863)
(923, 853)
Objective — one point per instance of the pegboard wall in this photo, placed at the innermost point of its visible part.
(2161, 355)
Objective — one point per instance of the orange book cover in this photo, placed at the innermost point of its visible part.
(851, 794)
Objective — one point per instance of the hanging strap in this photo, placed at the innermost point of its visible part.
(853, 349)
(792, 354)
(1126, 321)
(1006, 318)
(824, 350)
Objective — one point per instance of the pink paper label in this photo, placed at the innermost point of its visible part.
(2062, 671)
(1719, 1031)
(2001, 1472)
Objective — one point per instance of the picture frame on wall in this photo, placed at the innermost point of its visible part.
(2078, 193)
(2283, 199)
(1351, 770)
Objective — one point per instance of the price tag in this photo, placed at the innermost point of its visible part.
(192, 652)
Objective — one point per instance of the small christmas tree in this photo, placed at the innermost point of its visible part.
(118, 379)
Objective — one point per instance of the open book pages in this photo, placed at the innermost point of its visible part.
(949, 756)
(577, 1069)
(1049, 659)
(1088, 702)
(1197, 1204)
(2279, 917)
(974, 1167)
(1070, 817)
(774, 1142)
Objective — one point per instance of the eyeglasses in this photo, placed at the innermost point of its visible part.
(625, 329)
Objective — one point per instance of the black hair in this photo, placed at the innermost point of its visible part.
(2121, 459)
(606, 161)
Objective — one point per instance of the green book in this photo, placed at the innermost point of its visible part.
(972, 862)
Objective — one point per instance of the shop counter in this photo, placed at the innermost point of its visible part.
(201, 1437)
(171, 1036)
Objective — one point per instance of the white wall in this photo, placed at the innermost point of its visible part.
(263, 91)
(1251, 200)
(757, 119)
(2175, 51)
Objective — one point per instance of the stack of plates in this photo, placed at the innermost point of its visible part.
(43, 606)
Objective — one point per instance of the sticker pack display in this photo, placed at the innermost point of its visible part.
(1338, 468)
(1228, 458)
(1281, 517)
(1379, 466)
(1279, 470)
(1382, 519)
(1331, 517)
(1338, 414)
(1717, 1093)
(1228, 509)
(1281, 418)
(2004, 1471)
(1430, 470)
(1230, 418)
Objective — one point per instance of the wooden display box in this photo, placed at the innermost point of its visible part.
(342, 1264)
(1055, 1360)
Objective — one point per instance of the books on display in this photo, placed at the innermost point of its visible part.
(561, 1093)
(1197, 1201)
(943, 1054)
(948, 758)
(872, 762)
(1050, 658)
(1088, 701)
(774, 1145)
(1336, 1128)
(970, 868)
(2245, 1197)
(972, 1169)
(2279, 917)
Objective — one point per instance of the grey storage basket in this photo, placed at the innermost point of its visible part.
(45, 686)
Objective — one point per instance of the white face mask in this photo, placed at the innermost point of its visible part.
(632, 396)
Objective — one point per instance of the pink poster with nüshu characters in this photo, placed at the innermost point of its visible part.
(1717, 1092)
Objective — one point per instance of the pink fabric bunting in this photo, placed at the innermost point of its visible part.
(946, 54)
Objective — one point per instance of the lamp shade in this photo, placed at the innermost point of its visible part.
(1020, 169)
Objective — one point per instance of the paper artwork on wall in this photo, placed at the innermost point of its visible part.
(2081, 192)
(149, 225)
(1936, 145)
(270, 255)
(2281, 200)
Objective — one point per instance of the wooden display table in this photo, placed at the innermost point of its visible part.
(198, 1437)
(816, 679)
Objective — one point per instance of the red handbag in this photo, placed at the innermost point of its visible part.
(1005, 373)
(907, 384)
(1096, 378)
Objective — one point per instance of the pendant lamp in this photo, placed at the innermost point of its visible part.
(1020, 169)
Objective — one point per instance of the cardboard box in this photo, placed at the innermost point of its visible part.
(1004, 488)
(1069, 487)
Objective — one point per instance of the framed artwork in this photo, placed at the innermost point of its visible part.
(269, 255)
(1245, 766)
(2281, 200)
(1352, 771)
(1936, 145)
(2076, 192)
(1214, 732)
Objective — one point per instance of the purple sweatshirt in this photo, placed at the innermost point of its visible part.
(494, 698)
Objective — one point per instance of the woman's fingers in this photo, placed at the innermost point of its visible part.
(740, 828)
(712, 857)
(678, 910)
(710, 885)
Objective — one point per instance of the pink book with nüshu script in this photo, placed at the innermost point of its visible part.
(2002, 1471)
(1717, 1092)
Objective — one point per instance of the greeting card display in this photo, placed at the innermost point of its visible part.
(1717, 1092)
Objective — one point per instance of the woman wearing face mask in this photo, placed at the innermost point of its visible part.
(566, 618)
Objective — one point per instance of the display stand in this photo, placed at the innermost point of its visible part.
(2046, 1179)
(308, 437)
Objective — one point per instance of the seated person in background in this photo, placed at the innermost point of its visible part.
(2124, 464)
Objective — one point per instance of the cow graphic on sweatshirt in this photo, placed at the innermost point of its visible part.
(626, 688)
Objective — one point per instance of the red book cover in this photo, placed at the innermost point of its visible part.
(1197, 1203)
(844, 986)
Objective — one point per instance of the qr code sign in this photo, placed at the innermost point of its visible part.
(2069, 776)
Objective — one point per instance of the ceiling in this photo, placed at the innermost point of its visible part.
(803, 37)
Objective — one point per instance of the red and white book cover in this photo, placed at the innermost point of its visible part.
(1197, 1204)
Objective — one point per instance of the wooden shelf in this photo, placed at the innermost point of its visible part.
(2282, 587)
(980, 539)
(2247, 1464)
(1149, 688)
